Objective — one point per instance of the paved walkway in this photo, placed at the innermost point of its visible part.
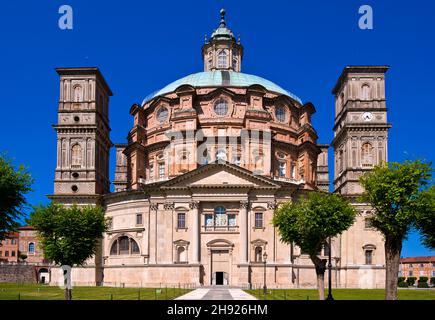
(216, 294)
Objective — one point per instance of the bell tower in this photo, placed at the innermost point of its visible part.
(83, 141)
(361, 125)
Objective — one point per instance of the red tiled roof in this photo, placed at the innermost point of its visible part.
(10, 235)
(417, 259)
(26, 228)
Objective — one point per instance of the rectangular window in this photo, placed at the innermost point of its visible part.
(411, 273)
(369, 256)
(181, 221)
(161, 170)
(258, 220)
(1, 253)
(433, 271)
(6, 253)
(12, 253)
(231, 220)
(139, 219)
(14, 241)
(293, 171)
(368, 223)
(421, 265)
(209, 220)
(151, 172)
(282, 169)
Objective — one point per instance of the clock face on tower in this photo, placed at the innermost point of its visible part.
(367, 116)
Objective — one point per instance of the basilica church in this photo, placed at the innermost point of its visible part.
(207, 160)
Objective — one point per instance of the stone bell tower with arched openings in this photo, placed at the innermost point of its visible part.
(83, 143)
(361, 126)
(360, 142)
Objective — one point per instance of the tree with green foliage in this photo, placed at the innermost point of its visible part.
(426, 218)
(400, 194)
(310, 221)
(14, 184)
(68, 235)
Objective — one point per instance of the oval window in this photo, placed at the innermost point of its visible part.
(221, 107)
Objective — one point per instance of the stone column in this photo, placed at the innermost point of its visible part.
(243, 226)
(152, 231)
(194, 205)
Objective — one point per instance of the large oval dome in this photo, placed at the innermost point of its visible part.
(219, 78)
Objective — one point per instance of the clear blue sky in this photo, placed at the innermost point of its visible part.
(140, 46)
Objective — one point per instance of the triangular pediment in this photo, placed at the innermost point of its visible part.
(220, 174)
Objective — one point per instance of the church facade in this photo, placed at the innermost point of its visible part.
(207, 160)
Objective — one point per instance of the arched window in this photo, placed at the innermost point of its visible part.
(124, 246)
(341, 160)
(220, 217)
(78, 94)
(76, 155)
(365, 92)
(221, 107)
(367, 153)
(280, 114)
(258, 254)
(234, 63)
(222, 60)
(162, 114)
(31, 247)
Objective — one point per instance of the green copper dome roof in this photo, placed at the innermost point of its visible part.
(220, 78)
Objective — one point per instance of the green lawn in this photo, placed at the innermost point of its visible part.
(342, 294)
(13, 291)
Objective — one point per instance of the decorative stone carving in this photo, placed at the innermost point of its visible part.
(169, 206)
(194, 205)
(271, 205)
(244, 204)
(154, 206)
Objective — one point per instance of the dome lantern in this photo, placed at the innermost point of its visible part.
(222, 51)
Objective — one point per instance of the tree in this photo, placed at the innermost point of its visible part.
(310, 222)
(68, 235)
(426, 218)
(14, 184)
(397, 192)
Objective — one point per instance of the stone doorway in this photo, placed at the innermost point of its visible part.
(220, 262)
(219, 278)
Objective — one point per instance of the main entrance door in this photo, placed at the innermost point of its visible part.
(220, 267)
(219, 278)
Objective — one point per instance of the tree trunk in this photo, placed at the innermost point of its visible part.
(67, 294)
(67, 283)
(320, 265)
(393, 248)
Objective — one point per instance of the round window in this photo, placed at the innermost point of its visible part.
(221, 107)
(280, 114)
(162, 114)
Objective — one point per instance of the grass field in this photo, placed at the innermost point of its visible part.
(342, 294)
(13, 291)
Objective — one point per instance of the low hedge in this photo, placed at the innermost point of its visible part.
(422, 282)
(403, 284)
(411, 280)
(432, 281)
(400, 279)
